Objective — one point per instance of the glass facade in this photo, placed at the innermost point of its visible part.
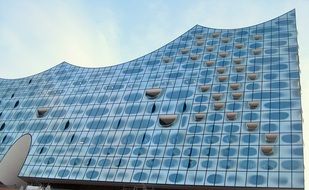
(214, 107)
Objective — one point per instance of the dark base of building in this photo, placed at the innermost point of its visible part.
(92, 185)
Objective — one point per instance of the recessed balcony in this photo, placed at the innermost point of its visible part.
(200, 42)
(199, 116)
(209, 63)
(218, 106)
(253, 104)
(153, 93)
(167, 120)
(223, 54)
(257, 37)
(222, 78)
(167, 59)
(271, 138)
(215, 34)
(239, 46)
(239, 69)
(221, 70)
(238, 61)
(231, 116)
(252, 76)
(257, 51)
(204, 88)
(236, 95)
(41, 112)
(235, 86)
(225, 40)
(209, 48)
(252, 126)
(217, 96)
(267, 150)
(184, 50)
(194, 57)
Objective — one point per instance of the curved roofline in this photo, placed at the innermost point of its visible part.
(77, 66)
(293, 10)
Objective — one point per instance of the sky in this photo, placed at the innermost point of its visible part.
(37, 35)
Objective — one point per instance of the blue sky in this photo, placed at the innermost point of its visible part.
(37, 35)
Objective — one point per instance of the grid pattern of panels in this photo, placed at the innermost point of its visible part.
(211, 108)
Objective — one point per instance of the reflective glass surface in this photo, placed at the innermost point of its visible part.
(227, 113)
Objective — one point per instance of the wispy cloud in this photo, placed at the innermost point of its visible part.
(39, 36)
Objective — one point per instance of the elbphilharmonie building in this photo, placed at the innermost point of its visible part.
(214, 108)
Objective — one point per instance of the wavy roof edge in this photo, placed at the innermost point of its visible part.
(197, 25)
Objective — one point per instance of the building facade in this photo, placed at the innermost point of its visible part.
(213, 108)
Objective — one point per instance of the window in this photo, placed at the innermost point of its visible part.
(231, 116)
(267, 150)
(167, 120)
(218, 105)
(153, 93)
(199, 116)
(41, 112)
(251, 126)
(270, 138)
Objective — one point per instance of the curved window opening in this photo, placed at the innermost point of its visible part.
(257, 51)
(209, 63)
(218, 106)
(238, 61)
(41, 112)
(204, 88)
(239, 69)
(217, 97)
(252, 126)
(271, 138)
(252, 76)
(3, 140)
(199, 116)
(16, 103)
(42, 150)
(67, 125)
(153, 108)
(184, 107)
(267, 150)
(223, 54)
(90, 162)
(2, 127)
(184, 50)
(253, 104)
(236, 96)
(225, 40)
(209, 49)
(166, 59)
(235, 86)
(72, 138)
(231, 116)
(30, 81)
(215, 34)
(257, 37)
(239, 45)
(194, 57)
(153, 93)
(222, 78)
(13, 95)
(199, 42)
(199, 37)
(167, 120)
(221, 70)
(118, 123)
